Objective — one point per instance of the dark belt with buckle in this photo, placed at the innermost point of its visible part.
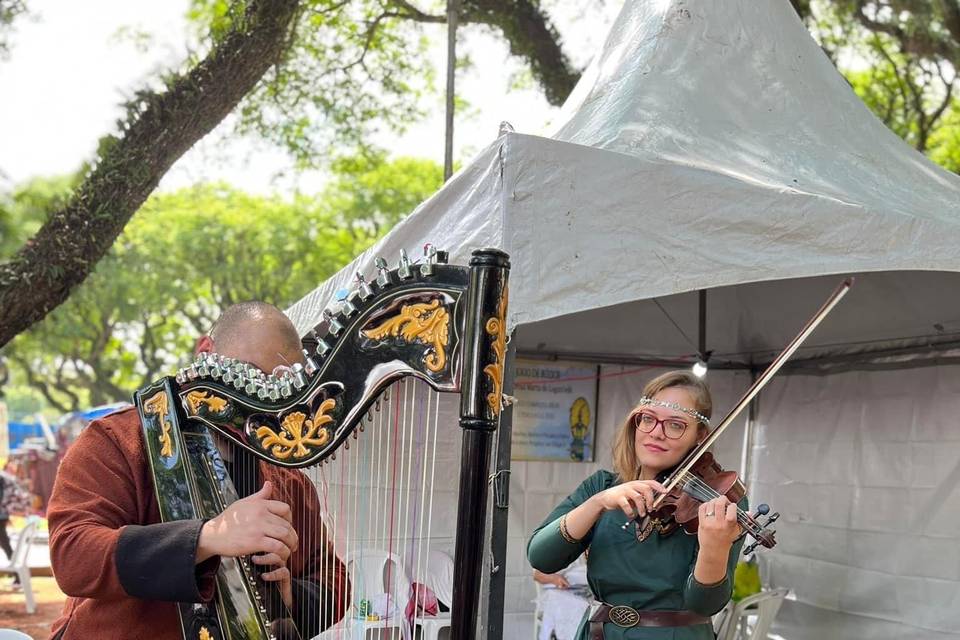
(628, 617)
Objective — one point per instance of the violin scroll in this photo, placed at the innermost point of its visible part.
(764, 536)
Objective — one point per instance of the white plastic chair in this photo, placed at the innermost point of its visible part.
(13, 634)
(764, 606)
(439, 573)
(370, 570)
(18, 563)
(537, 609)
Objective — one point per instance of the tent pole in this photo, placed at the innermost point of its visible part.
(702, 346)
(452, 21)
(746, 457)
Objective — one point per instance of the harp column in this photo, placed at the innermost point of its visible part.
(481, 391)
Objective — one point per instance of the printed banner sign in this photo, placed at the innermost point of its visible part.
(555, 416)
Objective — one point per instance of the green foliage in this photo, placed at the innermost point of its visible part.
(188, 254)
(374, 194)
(944, 144)
(9, 11)
(746, 580)
(23, 211)
(351, 68)
(907, 84)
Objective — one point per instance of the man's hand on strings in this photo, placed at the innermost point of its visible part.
(254, 525)
(281, 574)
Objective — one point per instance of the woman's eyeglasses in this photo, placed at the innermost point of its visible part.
(673, 428)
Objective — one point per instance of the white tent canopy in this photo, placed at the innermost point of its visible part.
(712, 145)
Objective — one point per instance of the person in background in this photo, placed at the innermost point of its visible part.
(13, 500)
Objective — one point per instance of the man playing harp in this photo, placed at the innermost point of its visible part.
(124, 570)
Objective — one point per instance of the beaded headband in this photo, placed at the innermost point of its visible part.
(693, 413)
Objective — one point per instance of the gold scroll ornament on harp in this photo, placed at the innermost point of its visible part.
(204, 634)
(157, 405)
(426, 323)
(497, 328)
(197, 399)
(297, 431)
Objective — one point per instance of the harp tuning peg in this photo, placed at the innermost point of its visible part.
(334, 327)
(383, 273)
(429, 259)
(404, 270)
(364, 289)
(322, 348)
(299, 378)
(348, 305)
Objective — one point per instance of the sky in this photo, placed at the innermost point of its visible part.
(71, 68)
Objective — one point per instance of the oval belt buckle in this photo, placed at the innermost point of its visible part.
(624, 616)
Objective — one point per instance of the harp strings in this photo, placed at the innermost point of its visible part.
(377, 501)
(375, 497)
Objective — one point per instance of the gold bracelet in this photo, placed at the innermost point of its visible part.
(564, 532)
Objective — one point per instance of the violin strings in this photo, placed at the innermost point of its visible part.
(708, 492)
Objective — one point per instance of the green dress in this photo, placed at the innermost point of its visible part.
(656, 574)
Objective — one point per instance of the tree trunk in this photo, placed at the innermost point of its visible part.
(160, 129)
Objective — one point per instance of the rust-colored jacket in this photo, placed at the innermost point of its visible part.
(124, 570)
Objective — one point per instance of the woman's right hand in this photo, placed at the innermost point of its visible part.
(633, 498)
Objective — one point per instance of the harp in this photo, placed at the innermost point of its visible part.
(360, 419)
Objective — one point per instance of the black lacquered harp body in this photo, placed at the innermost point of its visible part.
(412, 333)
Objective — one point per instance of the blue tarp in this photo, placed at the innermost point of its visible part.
(20, 431)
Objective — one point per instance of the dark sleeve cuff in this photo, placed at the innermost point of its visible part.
(158, 562)
(707, 599)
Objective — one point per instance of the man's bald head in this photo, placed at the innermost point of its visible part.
(254, 332)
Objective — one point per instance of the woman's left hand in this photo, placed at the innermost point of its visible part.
(718, 524)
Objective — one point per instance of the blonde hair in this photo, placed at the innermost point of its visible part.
(625, 463)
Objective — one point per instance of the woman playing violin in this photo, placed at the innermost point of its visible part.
(666, 585)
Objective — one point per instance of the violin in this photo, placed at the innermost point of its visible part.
(706, 481)
(699, 478)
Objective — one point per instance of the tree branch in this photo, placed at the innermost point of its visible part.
(160, 129)
(947, 96)
(526, 29)
(951, 17)
(410, 12)
(917, 42)
(531, 37)
(40, 385)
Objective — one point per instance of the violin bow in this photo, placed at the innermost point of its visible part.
(754, 389)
